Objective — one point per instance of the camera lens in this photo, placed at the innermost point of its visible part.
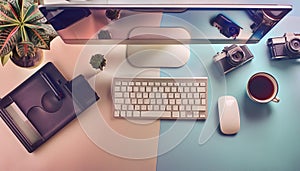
(295, 45)
(275, 14)
(236, 58)
(234, 31)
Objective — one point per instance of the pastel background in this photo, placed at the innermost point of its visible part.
(268, 138)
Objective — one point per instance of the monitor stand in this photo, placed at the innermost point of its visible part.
(157, 56)
(160, 54)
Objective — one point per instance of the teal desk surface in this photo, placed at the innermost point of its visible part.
(269, 133)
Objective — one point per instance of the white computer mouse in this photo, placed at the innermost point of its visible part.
(229, 114)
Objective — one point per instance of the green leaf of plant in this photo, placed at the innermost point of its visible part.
(33, 15)
(26, 4)
(15, 4)
(3, 2)
(29, 12)
(24, 34)
(40, 37)
(8, 40)
(4, 26)
(5, 58)
(49, 30)
(44, 30)
(25, 49)
(8, 14)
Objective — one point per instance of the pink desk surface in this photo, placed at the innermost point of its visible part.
(78, 146)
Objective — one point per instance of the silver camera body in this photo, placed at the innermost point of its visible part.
(286, 47)
(232, 57)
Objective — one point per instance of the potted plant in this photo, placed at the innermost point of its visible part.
(23, 32)
(98, 61)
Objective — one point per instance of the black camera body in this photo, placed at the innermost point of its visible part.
(232, 57)
(227, 27)
(286, 47)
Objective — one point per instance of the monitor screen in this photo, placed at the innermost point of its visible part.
(131, 24)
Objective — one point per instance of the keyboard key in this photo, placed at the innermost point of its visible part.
(196, 114)
(148, 89)
(162, 107)
(182, 114)
(117, 88)
(203, 102)
(145, 95)
(175, 108)
(130, 107)
(156, 114)
(116, 113)
(142, 89)
(136, 114)
(118, 83)
(140, 101)
(135, 89)
(201, 89)
(123, 89)
(117, 95)
(151, 95)
(123, 113)
(137, 107)
(143, 107)
(119, 101)
(133, 101)
(126, 95)
(129, 113)
(175, 114)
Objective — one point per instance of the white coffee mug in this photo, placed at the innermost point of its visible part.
(263, 88)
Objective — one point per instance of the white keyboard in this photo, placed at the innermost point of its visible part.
(160, 98)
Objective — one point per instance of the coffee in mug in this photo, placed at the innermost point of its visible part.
(263, 88)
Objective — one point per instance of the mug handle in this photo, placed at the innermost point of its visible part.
(276, 99)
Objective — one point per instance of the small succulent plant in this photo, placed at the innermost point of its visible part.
(98, 61)
(23, 29)
(113, 14)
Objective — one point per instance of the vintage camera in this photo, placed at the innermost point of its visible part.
(227, 27)
(232, 57)
(265, 18)
(286, 47)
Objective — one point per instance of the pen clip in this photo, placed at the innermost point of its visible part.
(53, 86)
(6, 101)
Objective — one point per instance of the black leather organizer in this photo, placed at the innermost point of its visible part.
(44, 104)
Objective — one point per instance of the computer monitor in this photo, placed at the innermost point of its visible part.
(163, 24)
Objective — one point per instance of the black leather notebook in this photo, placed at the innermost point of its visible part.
(43, 104)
